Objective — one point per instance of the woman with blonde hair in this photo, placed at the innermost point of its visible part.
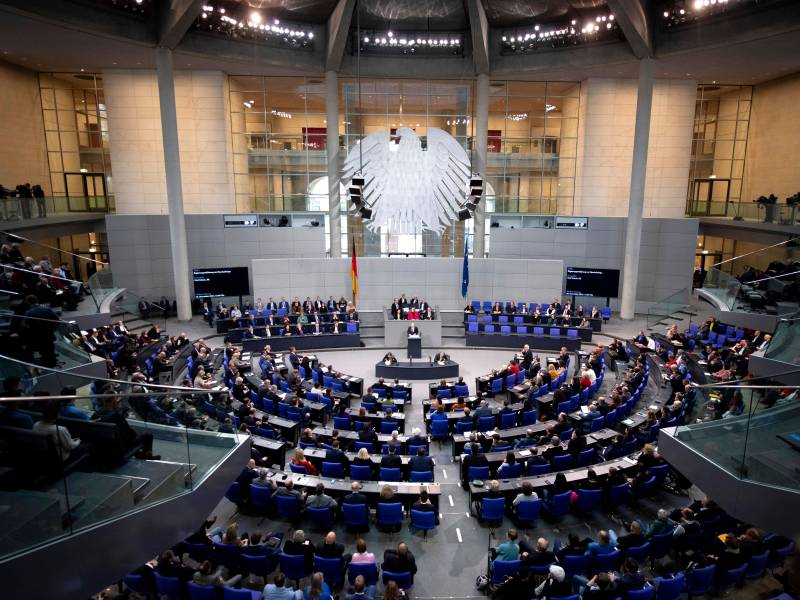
(300, 460)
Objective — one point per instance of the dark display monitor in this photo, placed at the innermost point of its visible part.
(221, 282)
(588, 281)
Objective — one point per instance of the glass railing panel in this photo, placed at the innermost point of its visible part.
(17, 333)
(143, 309)
(750, 431)
(785, 343)
(722, 286)
(121, 460)
(24, 209)
(667, 307)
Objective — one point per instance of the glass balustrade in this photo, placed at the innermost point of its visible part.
(785, 343)
(136, 451)
(667, 307)
(723, 286)
(26, 209)
(750, 431)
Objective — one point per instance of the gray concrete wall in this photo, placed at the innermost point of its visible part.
(437, 280)
(666, 255)
(141, 255)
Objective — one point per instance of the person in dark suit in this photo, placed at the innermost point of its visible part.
(400, 560)
(300, 546)
(391, 460)
(473, 459)
(355, 496)
(294, 358)
(421, 462)
(441, 356)
(335, 454)
(413, 329)
(395, 310)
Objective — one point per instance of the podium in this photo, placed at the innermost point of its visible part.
(414, 346)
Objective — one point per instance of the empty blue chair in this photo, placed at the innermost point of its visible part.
(588, 500)
(504, 568)
(492, 509)
(352, 328)
(201, 592)
(389, 474)
(424, 520)
(505, 330)
(368, 570)
(558, 504)
(555, 331)
(561, 462)
(476, 305)
(606, 562)
(572, 333)
(234, 493)
(487, 306)
(646, 593)
(367, 445)
(228, 555)
(293, 566)
(388, 426)
(461, 390)
(355, 516)
(341, 423)
(461, 426)
(137, 583)
(486, 423)
(476, 473)
(538, 331)
(360, 472)
(390, 514)
(260, 497)
(334, 470)
(756, 565)
(287, 506)
(671, 588)
(511, 380)
(529, 417)
(605, 313)
(508, 420)
(444, 393)
(574, 564)
(321, 519)
(509, 471)
(731, 578)
(647, 487)
(700, 581)
(421, 477)
(660, 473)
(619, 495)
(331, 569)
(168, 586)
(528, 512)
(440, 429)
(497, 386)
(777, 556)
(587, 457)
(257, 565)
(534, 469)
(404, 581)
(502, 319)
(472, 328)
(638, 553)
(488, 328)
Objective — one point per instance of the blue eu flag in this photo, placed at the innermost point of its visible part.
(465, 272)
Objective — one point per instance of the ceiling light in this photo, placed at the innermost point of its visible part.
(549, 107)
(366, 40)
(311, 35)
(255, 17)
(390, 34)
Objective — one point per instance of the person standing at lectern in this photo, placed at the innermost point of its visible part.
(413, 329)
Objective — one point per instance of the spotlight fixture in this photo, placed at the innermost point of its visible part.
(408, 42)
(366, 213)
(253, 25)
(464, 214)
(552, 35)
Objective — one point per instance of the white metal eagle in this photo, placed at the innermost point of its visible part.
(410, 189)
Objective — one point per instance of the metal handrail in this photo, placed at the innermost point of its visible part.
(41, 274)
(727, 260)
(186, 391)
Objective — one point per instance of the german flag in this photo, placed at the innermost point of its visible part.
(354, 272)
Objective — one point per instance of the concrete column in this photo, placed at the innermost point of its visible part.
(633, 230)
(172, 168)
(334, 200)
(479, 160)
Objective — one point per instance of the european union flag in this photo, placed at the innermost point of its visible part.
(465, 271)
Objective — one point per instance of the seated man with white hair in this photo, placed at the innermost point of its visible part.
(416, 438)
(555, 585)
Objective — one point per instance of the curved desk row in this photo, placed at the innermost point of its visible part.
(301, 342)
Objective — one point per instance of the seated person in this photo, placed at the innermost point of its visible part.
(389, 359)
(508, 550)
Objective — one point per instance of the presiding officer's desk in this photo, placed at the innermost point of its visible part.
(301, 342)
(395, 332)
(416, 370)
(511, 487)
(404, 492)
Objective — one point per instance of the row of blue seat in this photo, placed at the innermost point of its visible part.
(486, 306)
(520, 329)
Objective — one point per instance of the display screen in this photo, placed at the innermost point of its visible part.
(586, 281)
(224, 281)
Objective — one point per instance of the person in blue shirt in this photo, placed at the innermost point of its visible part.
(509, 550)
(317, 589)
(277, 590)
(603, 545)
(11, 416)
(361, 591)
(68, 408)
